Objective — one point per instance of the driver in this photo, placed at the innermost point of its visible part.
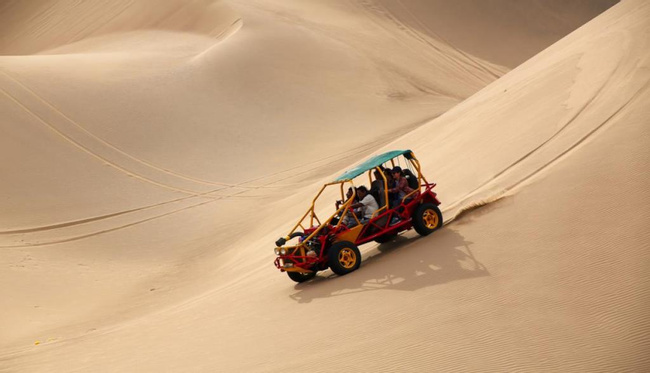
(348, 195)
(348, 218)
(367, 205)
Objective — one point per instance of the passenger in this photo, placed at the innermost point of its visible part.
(377, 189)
(390, 182)
(411, 178)
(401, 188)
(367, 204)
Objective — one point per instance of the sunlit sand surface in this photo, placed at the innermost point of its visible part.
(153, 151)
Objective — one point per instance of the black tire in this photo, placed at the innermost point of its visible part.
(427, 218)
(343, 257)
(386, 238)
(301, 277)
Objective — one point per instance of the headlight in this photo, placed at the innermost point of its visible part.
(283, 251)
(276, 251)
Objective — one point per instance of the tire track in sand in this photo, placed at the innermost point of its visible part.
(113, 229)
(469, 57)
(96, 233)
(90, 219)
(558, 157)
(374, 7)
(120, 151)
(557, 133)
(244, 184)
(366, 148)
(95, 155)
(113, 215)
(331, 159)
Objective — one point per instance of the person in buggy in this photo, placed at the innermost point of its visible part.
(401, 187)
(377, 186)
(348, 219)
(363, 207)
(366, 206)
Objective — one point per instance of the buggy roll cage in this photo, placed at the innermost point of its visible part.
(370, 165)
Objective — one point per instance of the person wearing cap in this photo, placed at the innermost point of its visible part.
(401, 188)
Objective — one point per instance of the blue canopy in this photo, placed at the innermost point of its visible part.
(372, 163)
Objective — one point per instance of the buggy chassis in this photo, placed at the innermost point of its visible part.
(330, 243)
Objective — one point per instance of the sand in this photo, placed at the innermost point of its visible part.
(152, 152)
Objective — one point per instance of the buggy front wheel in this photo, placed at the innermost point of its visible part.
(301, 276)
(343, 257)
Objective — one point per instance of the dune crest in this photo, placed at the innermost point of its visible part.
(43, 27)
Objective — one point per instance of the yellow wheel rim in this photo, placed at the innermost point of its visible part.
(430, 219)
(347, 258)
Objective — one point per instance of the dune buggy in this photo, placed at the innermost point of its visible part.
(333, 243)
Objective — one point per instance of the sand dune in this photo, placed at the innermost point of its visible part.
(155, 154)
(40, 26)
(500, 31)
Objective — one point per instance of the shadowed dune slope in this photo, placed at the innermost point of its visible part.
(135, 243)
(501, 31)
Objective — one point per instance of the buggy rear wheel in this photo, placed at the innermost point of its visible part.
(343, 257)
(301, 276)
(427, 218)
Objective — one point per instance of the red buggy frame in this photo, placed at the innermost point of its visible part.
(332, 244)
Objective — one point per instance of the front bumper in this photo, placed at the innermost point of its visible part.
(291, 263)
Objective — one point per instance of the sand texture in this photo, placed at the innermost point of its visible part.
(151, 152)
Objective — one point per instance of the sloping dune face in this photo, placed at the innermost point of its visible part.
(168, 114)
(501, 31)
(151, 170)
(41, 26)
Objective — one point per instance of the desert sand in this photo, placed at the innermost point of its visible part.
(151, 152)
